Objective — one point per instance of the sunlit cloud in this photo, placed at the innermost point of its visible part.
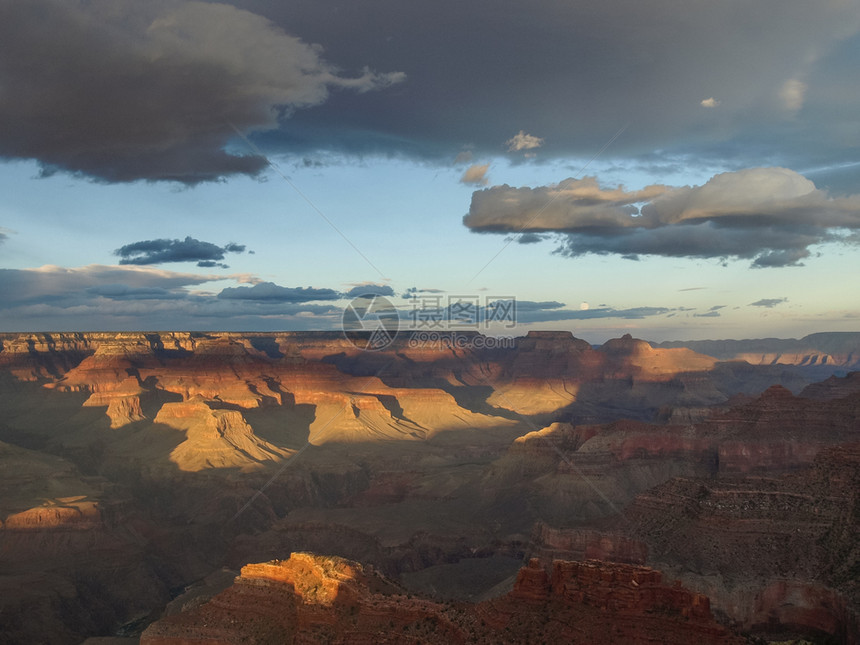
(523, 141)
(476, 174)
(769, 215)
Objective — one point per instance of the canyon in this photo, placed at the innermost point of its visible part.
(454, 492)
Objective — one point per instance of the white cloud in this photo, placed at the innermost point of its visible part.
(523, 141)
(710, 103)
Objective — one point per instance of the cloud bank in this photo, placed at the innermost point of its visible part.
(99, 297)
(574, 73)
(143, 90)
(768, 215)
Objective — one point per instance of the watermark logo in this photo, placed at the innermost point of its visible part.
(456, 312)
(371, 322)
(436, 322)
(439, 341)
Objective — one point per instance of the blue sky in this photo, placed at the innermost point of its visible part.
(674, 173)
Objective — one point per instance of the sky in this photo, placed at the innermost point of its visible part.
(671, 169)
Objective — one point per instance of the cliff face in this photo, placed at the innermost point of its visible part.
(776, 432)
(545, 374)
(598, 602)
(317, 599)
(769, 551)
(820, 354)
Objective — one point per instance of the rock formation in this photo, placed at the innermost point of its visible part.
(319, 599)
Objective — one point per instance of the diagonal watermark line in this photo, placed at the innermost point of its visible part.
(278, 170)
(549, 203)
(287, 463)
(272, 479)
(501, 396)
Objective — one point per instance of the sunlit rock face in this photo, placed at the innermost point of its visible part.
(135, 465)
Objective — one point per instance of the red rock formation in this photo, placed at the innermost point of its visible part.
(329, 600)
(548, 543)
(308, 599)
(215, 438)
(776, 554)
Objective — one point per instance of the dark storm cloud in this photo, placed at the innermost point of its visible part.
(768, 303)
(769, 215)
(271, 292)
(122, 90)
(145, 89)
(205, 254)
(575, 73)
(369, 289)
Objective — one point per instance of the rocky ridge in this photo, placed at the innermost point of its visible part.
(310, 598)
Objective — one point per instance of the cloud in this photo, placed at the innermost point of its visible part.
(475, 174)
(709, 314)
(463, 157)
(159, 251)
(271, 292)
(125, 292)
(768, 303)
(122, 90)
(99, 297)
(62, 286)
(523, 141)
(530, 305)
(792, 94)
(369, 289)
(710, 103)
(143, 89)
(572, 202)
(650, 65)
(550, 315)
(529, 238)
(415, 292)
(528, 311)
(768, 215)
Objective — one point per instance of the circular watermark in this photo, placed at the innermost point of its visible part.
(370, 322)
